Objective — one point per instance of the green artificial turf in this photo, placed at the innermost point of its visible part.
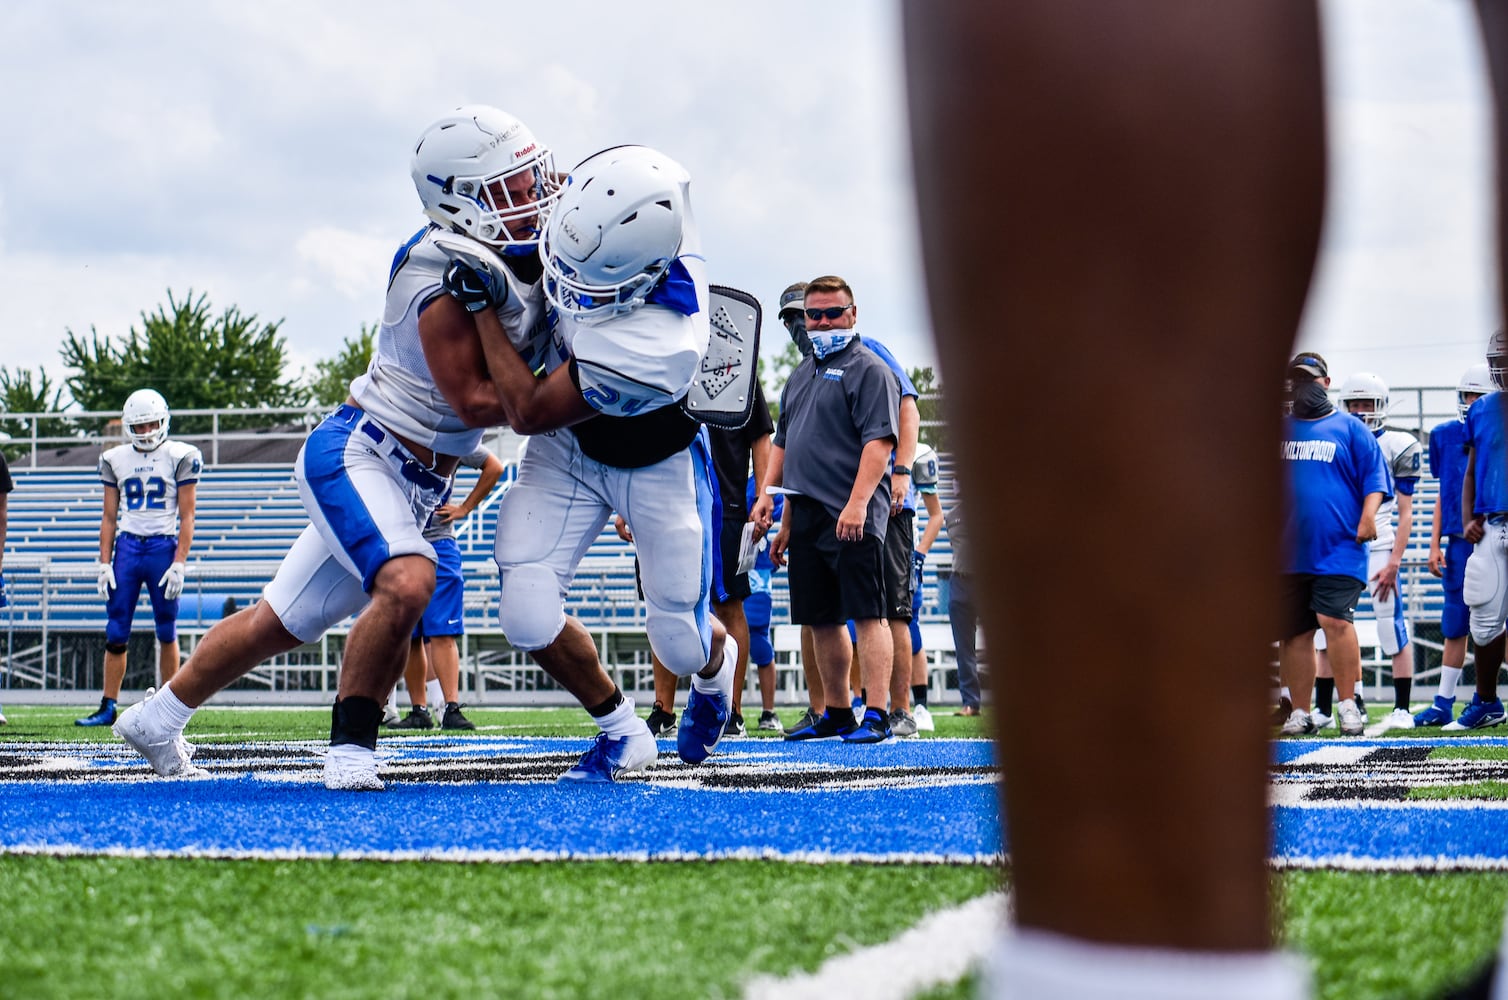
(201, 928)
(1397, 936)
(171, 928)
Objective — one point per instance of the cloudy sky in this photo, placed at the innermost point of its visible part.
(258, 152)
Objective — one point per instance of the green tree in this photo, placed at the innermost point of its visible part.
(195, 359)
(331, 381)
(774, 373)
(22, 391)
(929, 405)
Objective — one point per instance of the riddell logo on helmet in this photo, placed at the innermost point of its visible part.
(525, 151)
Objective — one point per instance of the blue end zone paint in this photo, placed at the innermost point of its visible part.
(1346, 804)
(929, 800)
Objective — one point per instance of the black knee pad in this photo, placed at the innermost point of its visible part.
(115, 647)
(355, 720)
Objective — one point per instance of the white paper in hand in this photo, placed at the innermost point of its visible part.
(748, 547)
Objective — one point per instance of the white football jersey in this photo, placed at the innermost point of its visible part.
(643, 360)
(148, 483)
(1401, 452)
(398, 389)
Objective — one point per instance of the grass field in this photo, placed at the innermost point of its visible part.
(186, 926)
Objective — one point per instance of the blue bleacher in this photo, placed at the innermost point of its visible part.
(248, 515)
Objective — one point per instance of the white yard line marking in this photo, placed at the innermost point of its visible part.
(941, 949)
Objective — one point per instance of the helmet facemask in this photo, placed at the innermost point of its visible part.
(614, 233)
(146, 407)
(1365, 387)
(480, 171)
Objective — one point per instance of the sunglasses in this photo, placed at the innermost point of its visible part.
(831, 312)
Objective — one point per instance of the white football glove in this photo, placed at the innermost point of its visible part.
(172, 581)
(105, 580)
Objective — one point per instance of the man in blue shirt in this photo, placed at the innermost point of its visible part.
(1447, 463)
(1484, 494)
(1337, 479)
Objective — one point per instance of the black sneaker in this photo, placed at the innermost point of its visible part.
(735, 725)
(808, 719)
(418, 718)
(873, 728)
(661, 723)
(453, 719)
(824, 728)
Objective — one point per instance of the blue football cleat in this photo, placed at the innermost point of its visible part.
(702, 725)
(814, 727)
(1439, 714)
(1478, 715)
(609, 759)
(104, 717)
(873, 728)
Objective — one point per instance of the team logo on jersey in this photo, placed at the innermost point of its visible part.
(835, 374)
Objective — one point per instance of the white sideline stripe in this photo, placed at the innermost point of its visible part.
(1345, 862)
(1333, 755)
(469, 856)
(939, 950)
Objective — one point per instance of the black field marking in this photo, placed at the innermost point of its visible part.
(1380, 775)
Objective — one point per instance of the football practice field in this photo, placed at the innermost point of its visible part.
(773, 870)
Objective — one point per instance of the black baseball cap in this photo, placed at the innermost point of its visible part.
(1309, 363)
(792, 297)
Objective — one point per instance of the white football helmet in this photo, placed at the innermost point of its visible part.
(145, 406)
(924, 466)
(1365, 386)
(615, 229)
(1477, 380)
(1497, 358)
(462, 168)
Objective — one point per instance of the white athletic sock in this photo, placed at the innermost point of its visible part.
(164, 711)
(392, 699)
(721, 682)
(622, 721)
(434, 694)
(1449, 678)
(1043, 966)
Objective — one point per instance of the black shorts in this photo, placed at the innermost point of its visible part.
(900, 574)
(1307, 595)
(735, 586)
(831, 581)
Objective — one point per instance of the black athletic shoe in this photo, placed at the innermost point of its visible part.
(823, 729)
(661, 723)
(735, 725)
(418, 718)
(453, 719)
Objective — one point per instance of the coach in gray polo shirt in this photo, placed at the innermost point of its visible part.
(839, 418)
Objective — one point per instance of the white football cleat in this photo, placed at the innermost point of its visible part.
(1349, 717)
(923, 719)
(351, 768)
(1398, 718)
(166, 751)
(1300, 723)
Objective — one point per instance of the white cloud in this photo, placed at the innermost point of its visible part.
(259, 153)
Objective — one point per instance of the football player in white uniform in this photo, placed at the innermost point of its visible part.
(144, 537)
(1365, 396)
(374, 470)
(630, 327)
